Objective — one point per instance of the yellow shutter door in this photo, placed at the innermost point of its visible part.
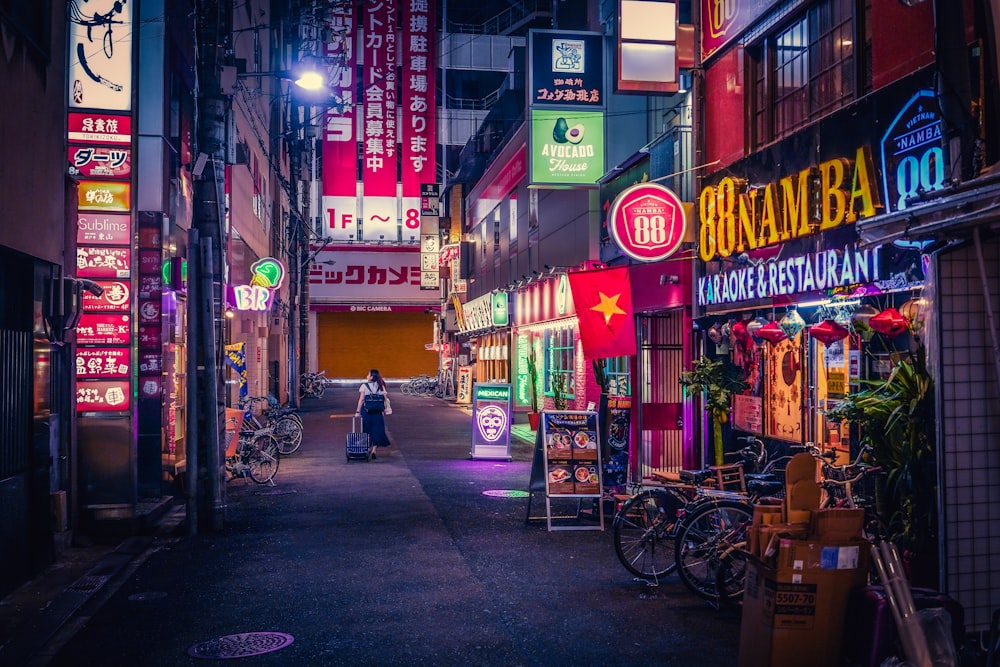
(349, 344)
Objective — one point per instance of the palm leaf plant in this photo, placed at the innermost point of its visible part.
(717, 382)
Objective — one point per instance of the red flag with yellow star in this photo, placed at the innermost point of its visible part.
(603, 301)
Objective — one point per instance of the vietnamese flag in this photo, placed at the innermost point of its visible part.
(603, 301)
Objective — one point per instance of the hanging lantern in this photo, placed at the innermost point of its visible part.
(792, 323)
(740, 335)
(889, 323)
(772, 333)
(828, 331)
(753, 328)
(714, 334)
(913, 311)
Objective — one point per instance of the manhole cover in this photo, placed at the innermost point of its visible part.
(505, 493)
(242, 645)
(150, 595)
(88, 584)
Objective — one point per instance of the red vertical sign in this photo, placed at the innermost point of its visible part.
(379, 126)
(419, 103)
(340, 141)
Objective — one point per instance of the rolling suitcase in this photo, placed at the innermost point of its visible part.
(359, 445)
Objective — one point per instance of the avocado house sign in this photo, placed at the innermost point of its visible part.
(567, 147)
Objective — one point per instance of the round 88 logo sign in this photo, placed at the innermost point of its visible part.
(647, 221)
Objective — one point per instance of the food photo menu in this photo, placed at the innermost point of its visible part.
(571, 454)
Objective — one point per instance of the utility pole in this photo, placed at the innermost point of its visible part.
(205, 252)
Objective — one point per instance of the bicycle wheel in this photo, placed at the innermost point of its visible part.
(264, 458)
(288, 433)
(730, 576)
(644, 531)
(319, 389)
(709, 531)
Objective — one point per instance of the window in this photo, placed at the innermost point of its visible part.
(619, 383)
(560, 361)
(808, 68)
(32, 20)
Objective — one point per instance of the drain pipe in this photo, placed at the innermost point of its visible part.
(990, 317)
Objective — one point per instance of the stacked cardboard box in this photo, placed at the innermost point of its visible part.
(804, 563)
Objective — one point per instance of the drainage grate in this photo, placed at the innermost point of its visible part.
(242, 645)
(88, 584)
(505, 493)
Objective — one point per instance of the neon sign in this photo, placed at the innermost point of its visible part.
(913, 158)
(824, 270)
(735, 219)
(268, 274)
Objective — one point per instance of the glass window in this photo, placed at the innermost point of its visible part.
(619, 381)
(807, 69)
(560, 361)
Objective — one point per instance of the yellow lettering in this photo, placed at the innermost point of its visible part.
(706, 231)
(861, 187)
(795, 206)
(725, 206)
(831, 192)
(769, 217)
(747, 236)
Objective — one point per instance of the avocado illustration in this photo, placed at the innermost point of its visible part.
(559, 131)
(575, 134)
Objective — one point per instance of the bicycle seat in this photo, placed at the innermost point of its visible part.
(764, 485)
(695, 477)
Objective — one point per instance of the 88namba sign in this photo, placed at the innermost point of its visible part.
(648, 222)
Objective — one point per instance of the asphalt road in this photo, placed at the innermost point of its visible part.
(398, 561)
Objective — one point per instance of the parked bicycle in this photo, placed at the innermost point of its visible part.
(647, 525)
(285, 423)
(254, 454)
(312, 385)
(421, 385)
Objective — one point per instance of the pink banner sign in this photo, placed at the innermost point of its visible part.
(101, 161)
(94, 262)
(116, 297)
(103, 396)
(98, 127)
(340, 144)
(380, 131)
(419, 105)
(104, 329)
(102, 363)
(150, 363)
(103, 228)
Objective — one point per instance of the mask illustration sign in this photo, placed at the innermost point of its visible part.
(491, 410)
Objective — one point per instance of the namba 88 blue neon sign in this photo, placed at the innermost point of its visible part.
(913, 158)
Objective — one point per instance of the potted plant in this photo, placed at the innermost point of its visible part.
(896, 417)
(717, 381)
(559, 391)
(533, 388)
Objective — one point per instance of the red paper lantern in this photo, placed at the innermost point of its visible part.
(828, 332)
(772, 333)
(890, 322)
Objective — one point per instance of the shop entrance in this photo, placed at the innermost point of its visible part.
(660, 364)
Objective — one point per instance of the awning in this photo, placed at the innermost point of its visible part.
(952, 211)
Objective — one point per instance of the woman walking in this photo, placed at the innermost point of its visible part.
(373, 403)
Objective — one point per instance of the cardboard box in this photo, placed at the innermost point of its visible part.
(838, 524)
(761, 514)
(793, 614)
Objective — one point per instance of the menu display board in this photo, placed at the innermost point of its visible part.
(567, 462)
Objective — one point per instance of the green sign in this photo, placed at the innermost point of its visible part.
(521, 378)
(500, 315)
(492, 392)
(567, 147)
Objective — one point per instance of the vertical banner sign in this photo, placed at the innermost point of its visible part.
(380, 207)
(464, 394)
(491, 413)
(419, 109)
(340, 144)
(100, 54)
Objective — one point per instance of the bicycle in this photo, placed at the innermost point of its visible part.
(312, 385)
(285, 425)
(646, 526)
(255, 453)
